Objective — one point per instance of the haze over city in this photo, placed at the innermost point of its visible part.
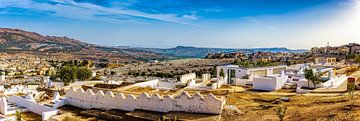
(203, 23)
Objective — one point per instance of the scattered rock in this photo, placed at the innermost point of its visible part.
(231, 110)
(265, 107)
(111, 117)
(285, 99)
(276, 102)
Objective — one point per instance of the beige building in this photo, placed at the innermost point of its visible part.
(325, 60)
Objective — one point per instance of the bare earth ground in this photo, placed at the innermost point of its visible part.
(258, 107)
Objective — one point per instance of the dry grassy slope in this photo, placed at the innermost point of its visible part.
(255, 107)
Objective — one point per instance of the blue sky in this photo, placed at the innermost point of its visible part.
(202, 23)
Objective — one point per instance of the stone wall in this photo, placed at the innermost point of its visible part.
(184, 102)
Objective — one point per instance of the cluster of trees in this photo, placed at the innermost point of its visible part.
(69, 74)
(79, 63)
(356, 57)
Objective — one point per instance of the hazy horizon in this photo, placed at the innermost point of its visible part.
(293, 24)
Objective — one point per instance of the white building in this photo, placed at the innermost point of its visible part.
(262, 78)
(269, 83)
(235, 75)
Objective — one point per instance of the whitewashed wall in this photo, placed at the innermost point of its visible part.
(206, 77)
(186, 77)
(152, 83)
(166, 85)
(57, 84)
(34, 107)
(2, 78)
(15, 89)
(269, 83)
(3, 106)
(183, 102)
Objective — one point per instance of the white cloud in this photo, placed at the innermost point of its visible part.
(190, 17)
(87, 11)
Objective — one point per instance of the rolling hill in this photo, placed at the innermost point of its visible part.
(16, 40)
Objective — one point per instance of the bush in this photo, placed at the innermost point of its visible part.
(84, 74)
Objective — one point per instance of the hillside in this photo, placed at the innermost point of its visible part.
(15, 40)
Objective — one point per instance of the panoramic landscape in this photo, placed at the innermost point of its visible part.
(179, 60)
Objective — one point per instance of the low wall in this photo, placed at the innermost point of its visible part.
(243, 82)
(206, 77)
(269, 83)
(186, 77)
(166, 85)
(15, 90)
(46, 115)
(152, 83)
(3, 106)
(302, 91)
(57, 84)
(335, 82)
(184, 102)
(45, 111)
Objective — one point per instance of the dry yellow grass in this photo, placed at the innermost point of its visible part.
(300, 108)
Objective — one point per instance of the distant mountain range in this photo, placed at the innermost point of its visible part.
(16, 40)
(200, 52)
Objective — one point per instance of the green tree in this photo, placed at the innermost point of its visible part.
(316, 79)
(351, 91)
(47, 73)
(2, 73)
(18, 115)
(222, 74)
(313, 77)
(309, 75)
(84, 74)
(280, 112)
(114, 73)
(67, 74)
(85, 63)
